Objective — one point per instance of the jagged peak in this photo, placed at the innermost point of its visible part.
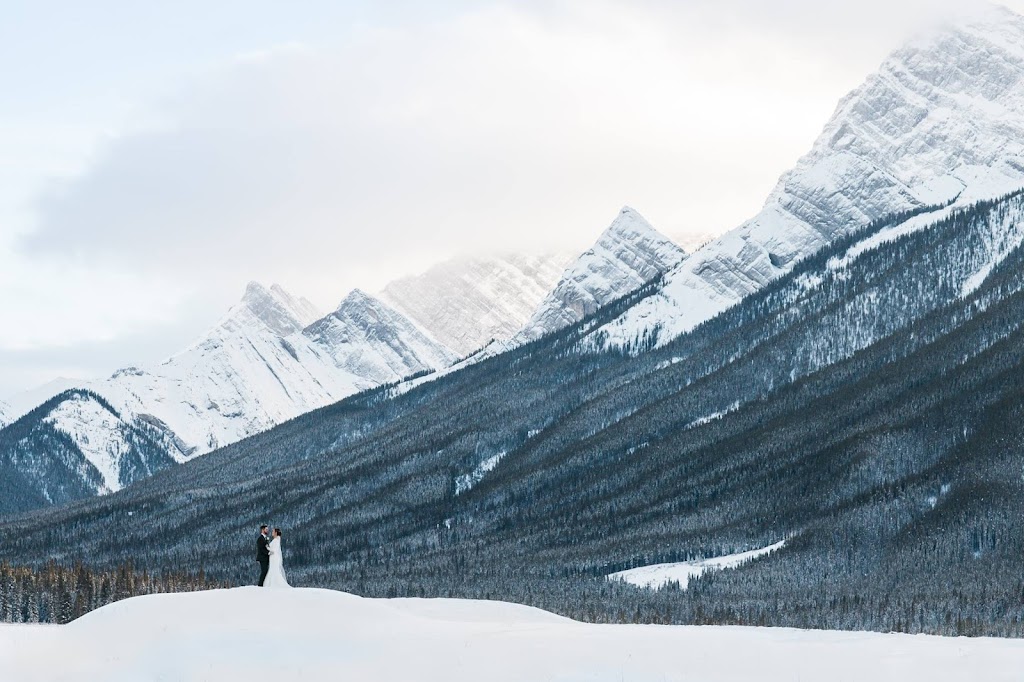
(628, 222)
(277, 308)
(357, 299)
(255, 291)
(631, 230)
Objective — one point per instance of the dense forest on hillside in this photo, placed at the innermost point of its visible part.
(866, 406)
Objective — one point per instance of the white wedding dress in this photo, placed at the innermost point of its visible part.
(275, 575)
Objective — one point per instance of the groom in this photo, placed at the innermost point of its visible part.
(262, 555)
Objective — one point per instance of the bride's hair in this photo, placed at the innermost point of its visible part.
(277, 532)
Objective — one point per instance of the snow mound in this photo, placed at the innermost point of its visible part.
(303, 634)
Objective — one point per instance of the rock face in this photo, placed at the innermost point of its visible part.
(466, 303)
(942, 120)
(628, 254)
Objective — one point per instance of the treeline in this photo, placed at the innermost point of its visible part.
(60, 594)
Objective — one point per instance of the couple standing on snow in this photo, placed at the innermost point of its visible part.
(268, 554)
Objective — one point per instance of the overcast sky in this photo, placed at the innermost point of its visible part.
(154, 157)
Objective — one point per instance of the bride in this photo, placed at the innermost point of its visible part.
(275, 576)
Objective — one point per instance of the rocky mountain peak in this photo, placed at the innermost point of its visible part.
(941, 120)
(629, 253)
(281, 311)
(467, 302)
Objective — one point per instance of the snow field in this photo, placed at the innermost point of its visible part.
(305, 634)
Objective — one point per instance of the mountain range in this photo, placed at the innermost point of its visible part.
(839, 376)
(274, 356)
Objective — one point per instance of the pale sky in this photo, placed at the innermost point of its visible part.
(155, 157)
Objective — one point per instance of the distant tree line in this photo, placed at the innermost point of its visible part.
(59, 594)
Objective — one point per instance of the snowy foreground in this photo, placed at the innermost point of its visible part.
(247, 633)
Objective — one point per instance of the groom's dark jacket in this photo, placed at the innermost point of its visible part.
(262, 554)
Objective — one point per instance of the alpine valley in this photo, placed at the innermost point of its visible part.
(815, 420)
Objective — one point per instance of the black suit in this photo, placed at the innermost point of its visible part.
(262, 556)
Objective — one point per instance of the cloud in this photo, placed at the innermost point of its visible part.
(496, 129)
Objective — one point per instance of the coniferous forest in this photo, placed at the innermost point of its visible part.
(867, 407)
(59, 594)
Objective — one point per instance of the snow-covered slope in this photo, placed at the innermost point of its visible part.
(372, 343)
(98, 431)
(310, 635)
(466, 302)
(239, 378)
(5, 414)
(262, 364)
(657, 576)
(77, 445)
(628, 254)
(941, 120)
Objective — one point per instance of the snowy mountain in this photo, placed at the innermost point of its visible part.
(628, 254)
(942, 120)
(5, 414)
(280, 311)
(326, 635)
(859, 411)
(466, 302)
(861, 406)
(239, 378)
(372, 343)
(268, 360)
(77, 445)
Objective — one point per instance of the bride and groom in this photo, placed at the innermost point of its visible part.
(268, 554)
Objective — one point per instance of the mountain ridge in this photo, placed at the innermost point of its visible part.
(893, 144)
(627, 254)
(466, 303)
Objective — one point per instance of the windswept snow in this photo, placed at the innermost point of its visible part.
(657, 576)
(312, 635)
